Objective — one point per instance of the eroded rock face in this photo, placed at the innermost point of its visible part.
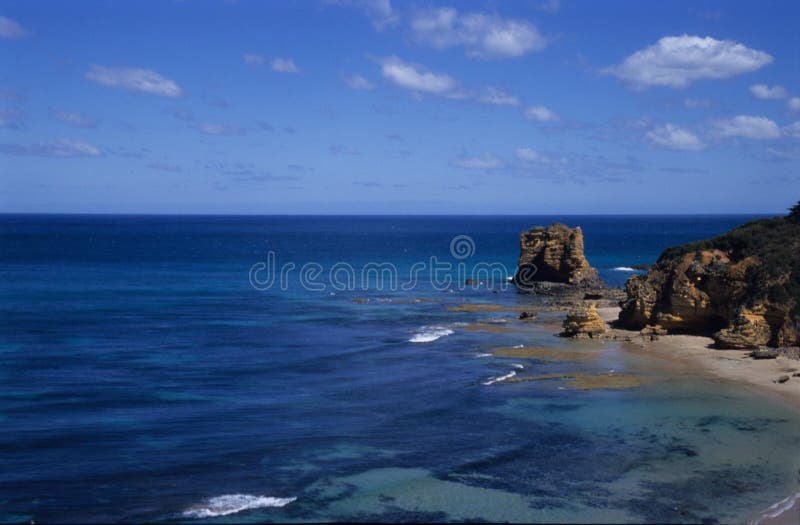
(697, 292)
(583, 321)
(739, 288)
(749, 329)
(556, 253)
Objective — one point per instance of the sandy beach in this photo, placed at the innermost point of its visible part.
(696, 354)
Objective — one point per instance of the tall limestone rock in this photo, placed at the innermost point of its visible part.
(554, 254)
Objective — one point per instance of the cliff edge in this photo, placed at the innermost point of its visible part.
(742, 288)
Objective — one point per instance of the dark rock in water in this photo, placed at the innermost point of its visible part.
(743, 287)
(527, 315)
(644, 267)
(782, 379)
(554, 254)
(592, 296)
(764, 353)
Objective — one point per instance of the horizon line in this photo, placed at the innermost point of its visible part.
(549, 214)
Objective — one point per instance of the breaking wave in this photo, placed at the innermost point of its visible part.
(498, 379)
(233, 503)
(430, 333)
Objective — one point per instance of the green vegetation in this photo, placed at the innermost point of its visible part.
(775, 242)
(794, 212)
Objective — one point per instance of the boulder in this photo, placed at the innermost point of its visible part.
(749, 329)
(764, 353)
(583, 321)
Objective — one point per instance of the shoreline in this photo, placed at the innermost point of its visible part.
(695, 353)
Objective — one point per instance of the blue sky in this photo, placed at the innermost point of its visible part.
(372, 106)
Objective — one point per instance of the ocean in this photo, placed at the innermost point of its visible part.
(289, 369)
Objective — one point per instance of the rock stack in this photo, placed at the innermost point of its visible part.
(583, 321)
(554, 254)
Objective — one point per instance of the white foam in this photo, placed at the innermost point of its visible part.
(778, 508)
(624, 269)
(233, 503)
(481, 355)
(517, 366)
(430, 333)
(494, 380)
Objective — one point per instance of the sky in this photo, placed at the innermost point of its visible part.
(381, 106)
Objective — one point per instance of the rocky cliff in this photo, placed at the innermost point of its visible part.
(554, 254)
(743, 288)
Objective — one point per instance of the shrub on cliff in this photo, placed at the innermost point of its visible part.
(794, 212)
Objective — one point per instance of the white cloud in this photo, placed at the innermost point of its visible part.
(482, 162)
(165, 166)
(284, 65)
(416, 77)
(794, 103)
(342, 149)
(550, 6)
(74, 148)
(748, 126)
(498, 97)
(483, 36)
(61, 148)
(763, 91)
(540, 114)
(254, 59)
(677, 61)
(135, 80)
(529, 155)
(360, 83)
(695, 103)
(11, 29)
(218, 129)
(10, 118)
(281, 65)
(673, 137)
(74, 118)
(792, 130)
(790, 153)
(379, 12)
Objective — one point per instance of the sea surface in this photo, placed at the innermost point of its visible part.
(151, 369)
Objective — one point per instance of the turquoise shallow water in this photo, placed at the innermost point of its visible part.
(144, 378)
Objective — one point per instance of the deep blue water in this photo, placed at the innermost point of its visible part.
(142, 375)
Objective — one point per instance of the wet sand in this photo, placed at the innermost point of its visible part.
(696, 353)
